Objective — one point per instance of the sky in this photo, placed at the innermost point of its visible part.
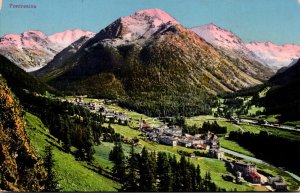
(277, 21)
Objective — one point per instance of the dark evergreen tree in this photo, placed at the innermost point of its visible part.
(118, 158)
(164, 173)
(198, 179)
(131, 182)
(51, 183)
(147, 176)
(186, 181)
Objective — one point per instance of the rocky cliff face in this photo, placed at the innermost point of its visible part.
(20, 168)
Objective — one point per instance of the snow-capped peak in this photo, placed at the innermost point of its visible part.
(138, 27)
(219, 37)
(65, 38)
(34, 33)
(156, 14)
(264, 52)
(274, 55)
(33, 49)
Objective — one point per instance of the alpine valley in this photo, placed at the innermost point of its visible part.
(147, 104)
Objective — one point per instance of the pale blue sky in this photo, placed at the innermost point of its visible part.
(277, 21)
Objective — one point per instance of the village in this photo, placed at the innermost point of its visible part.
(241, 171)
(173, 135)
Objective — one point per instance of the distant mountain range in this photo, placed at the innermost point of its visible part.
(33, 49)
(266, 53)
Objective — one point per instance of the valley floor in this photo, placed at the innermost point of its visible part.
(78, 176)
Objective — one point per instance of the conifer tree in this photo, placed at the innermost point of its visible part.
(199, 186)
(164, 173)
(147, 176)
(51, 183)
(131, 182)
(118, 158)
(186, 181)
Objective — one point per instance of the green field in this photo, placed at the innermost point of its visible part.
(199, 120)
(232, 145)
(72, 175)
(230, 126)
(253, 109)
(102, 153)
(294, 135)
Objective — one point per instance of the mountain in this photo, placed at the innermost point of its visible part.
(18, 80)
(224, 40)
(274, 55)
(149, 56)
(60, 58)
(32, 49)
(266, 53)
(21, 169)
(284, 96)
(65, 38)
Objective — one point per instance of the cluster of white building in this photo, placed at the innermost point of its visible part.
(173, 136)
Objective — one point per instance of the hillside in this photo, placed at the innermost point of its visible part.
(283, 97)
(73, 175)
(21, 169)
(18, 80)
(150, 57)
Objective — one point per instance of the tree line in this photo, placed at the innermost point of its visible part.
(207, 126)
(151, 171)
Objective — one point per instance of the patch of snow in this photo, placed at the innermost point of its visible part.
(266, 53)
(65, 38)
(33, 49)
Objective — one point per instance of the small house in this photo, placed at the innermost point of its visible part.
(280, 186)
(254, 178)
(216, 153)
(173, 130)
(167, 140)
(277, 183)
(185, 143)
(244, 168)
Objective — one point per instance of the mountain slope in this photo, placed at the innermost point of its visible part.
(18, 80)
(32, 50)
(60, 58)
(72, 174)
(284, 96)
(266, 53)
(20, 169)
(149, 54)
(223, 39)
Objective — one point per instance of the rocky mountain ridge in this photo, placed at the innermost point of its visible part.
(33, 49)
